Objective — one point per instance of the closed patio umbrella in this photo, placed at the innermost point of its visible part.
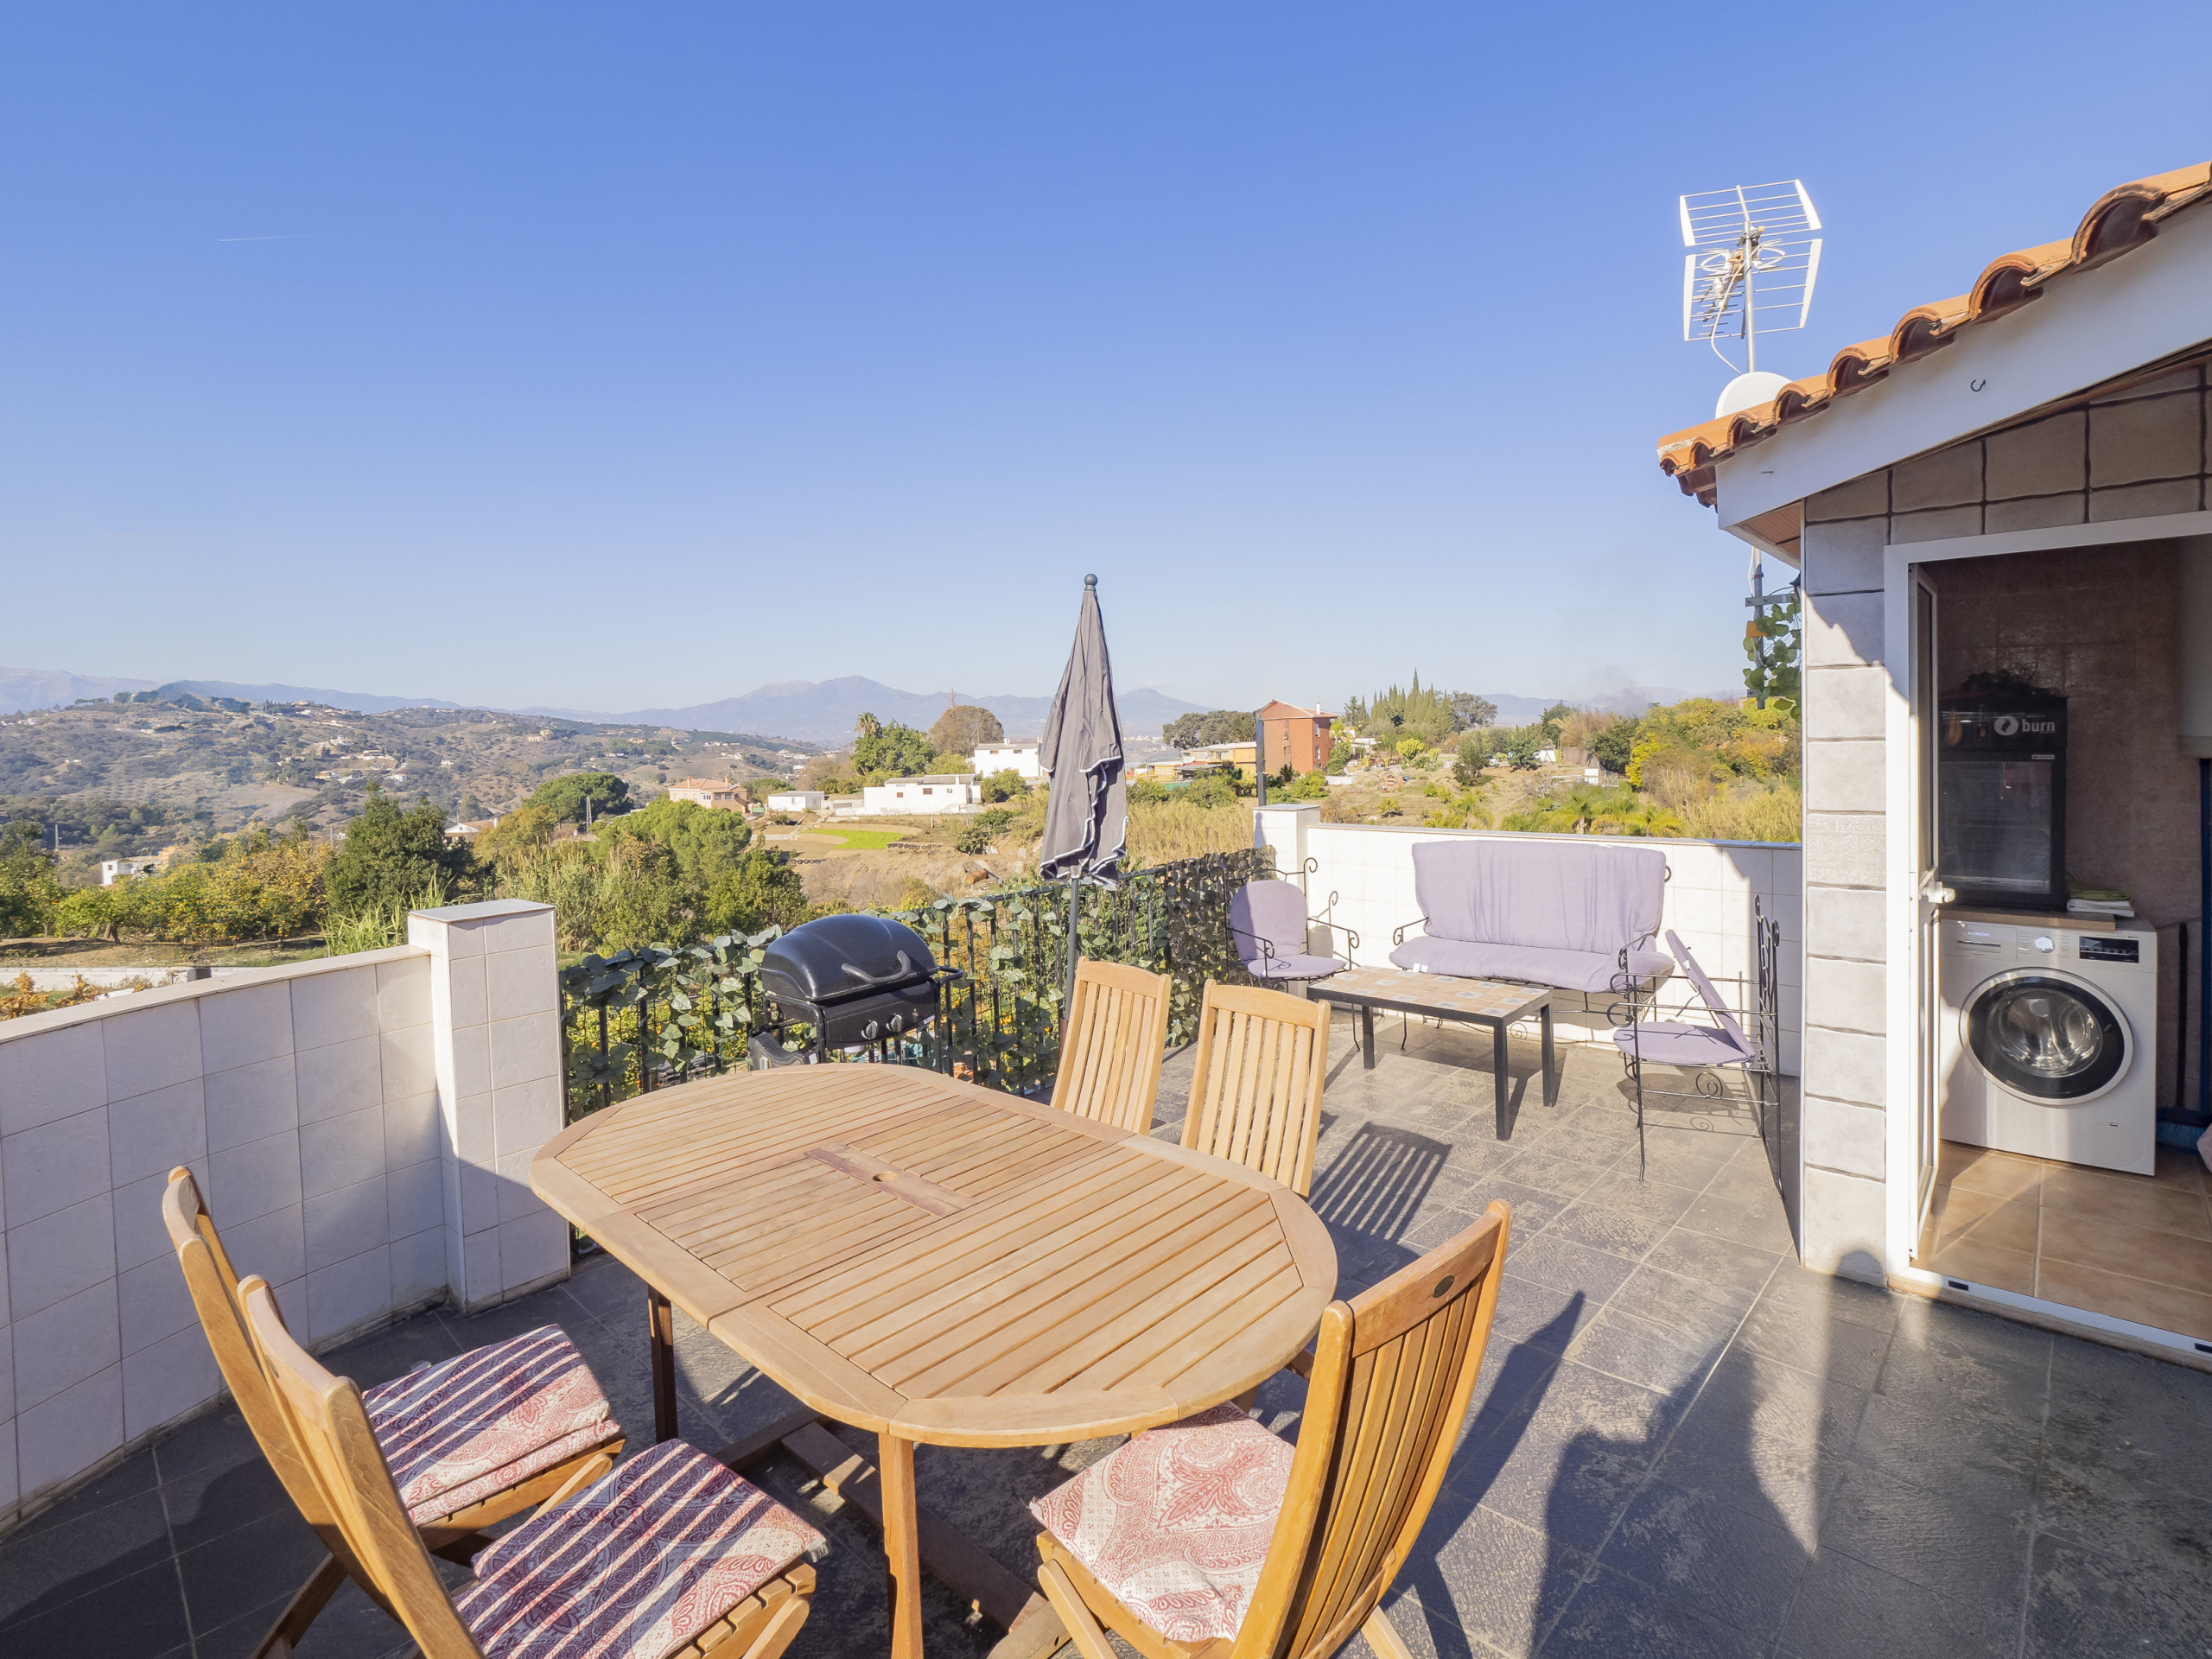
(1087, 818)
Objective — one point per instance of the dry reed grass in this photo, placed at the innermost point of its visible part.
(1776, 814)
(1163, 831)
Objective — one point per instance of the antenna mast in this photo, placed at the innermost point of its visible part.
(1737, 237)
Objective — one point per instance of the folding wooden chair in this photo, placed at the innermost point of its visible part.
(1112, 1044)
(671, 1557)
(1255, 1094)
(441, 1426)
(1212, 1539)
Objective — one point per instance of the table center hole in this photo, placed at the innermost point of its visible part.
(887, 1174)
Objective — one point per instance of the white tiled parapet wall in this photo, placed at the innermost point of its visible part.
(303, 1098)
(361, 1126)
(1709, 896)
(496, 1037)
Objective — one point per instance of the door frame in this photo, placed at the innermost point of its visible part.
(1924, 677)
(1908, 1060)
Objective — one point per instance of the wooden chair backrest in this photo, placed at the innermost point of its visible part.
(1114, 1041)
(331, 1427)
(214, 1286)
(1256, 1092)
(1392, 1374)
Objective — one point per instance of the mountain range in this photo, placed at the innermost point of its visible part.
(823, 711)
(812, 711)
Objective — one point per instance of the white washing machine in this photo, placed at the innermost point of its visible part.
(2048, 1042)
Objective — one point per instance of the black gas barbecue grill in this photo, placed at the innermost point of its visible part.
(853, 979)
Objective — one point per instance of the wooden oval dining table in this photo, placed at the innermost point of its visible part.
(941, 1263)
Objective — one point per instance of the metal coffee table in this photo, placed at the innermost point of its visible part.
(1494, 1003)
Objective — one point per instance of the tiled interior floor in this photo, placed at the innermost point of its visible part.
(1682, 1443)
(2133, 1247)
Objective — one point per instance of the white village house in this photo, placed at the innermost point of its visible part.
(1019, 759)
(2001, 517)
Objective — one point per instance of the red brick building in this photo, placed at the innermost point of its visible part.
(1300, 736)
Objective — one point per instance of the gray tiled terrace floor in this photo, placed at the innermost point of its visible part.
(1683, 1444)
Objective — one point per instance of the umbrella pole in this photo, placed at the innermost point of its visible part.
(1067, 990)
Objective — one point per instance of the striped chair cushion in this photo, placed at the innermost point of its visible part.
(634, 1566)
(1176, 1522)
(457, 1431)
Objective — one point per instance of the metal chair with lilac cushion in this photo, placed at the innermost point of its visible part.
(1705, 1051)
(1268, 921)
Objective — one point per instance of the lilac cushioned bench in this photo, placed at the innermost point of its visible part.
(1575, 918)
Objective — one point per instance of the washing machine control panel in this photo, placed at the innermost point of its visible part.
(2097, 950)
(2044, 942)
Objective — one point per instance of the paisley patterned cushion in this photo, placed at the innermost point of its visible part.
(457, 1431)
(632, 1567)
(1177, 1524)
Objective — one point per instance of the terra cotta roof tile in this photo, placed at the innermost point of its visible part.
(2119, 221)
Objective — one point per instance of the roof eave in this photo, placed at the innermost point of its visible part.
(2105, 321)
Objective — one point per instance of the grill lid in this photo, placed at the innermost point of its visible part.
(835, 958)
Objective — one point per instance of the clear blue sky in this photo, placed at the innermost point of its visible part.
(629, 356)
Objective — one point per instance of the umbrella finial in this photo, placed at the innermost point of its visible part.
(1090, 581)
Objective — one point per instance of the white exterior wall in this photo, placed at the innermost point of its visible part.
(798, 800)
(1019, 759)
(309, 1103)
(1712, 883)
(2127, 466)
(908, 796)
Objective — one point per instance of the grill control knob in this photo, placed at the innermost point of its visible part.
(2045, 944)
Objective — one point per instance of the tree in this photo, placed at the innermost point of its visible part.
(760, 890)
(820, 771)
(1551, 720)
(565, 797)
(892, 750)
(28, 887)
(1521, 747)
(1469, 710)
(959, 729)
(396, 857)
(1421, 712)
(1005, 785)
(524, 830)
(703, 841)
(1612, 745)
(1216, 725)
(1214, 789)
(1411, 748)
(1473, 755)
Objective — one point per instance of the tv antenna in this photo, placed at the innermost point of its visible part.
(1754, 255)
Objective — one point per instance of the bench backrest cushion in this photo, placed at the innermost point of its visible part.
(1545, 894)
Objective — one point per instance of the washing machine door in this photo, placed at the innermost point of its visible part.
(2047, 1035)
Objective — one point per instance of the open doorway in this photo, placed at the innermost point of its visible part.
(2056, 829)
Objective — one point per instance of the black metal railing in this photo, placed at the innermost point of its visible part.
(640, 1020)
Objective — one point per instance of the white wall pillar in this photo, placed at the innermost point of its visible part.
(1284, 828)
(495, 1020)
